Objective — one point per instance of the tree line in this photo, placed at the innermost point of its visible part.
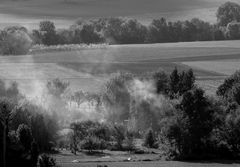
(17, 40)
(131, 31)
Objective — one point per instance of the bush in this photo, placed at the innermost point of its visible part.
(229, 90)
(14, 41)
(119, 135)
(46, 161)
(150, 140)
(91, 143)
(129, 142)
(25, 136)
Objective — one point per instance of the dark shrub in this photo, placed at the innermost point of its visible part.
(25, 136)
(150, 140)
(46, 161)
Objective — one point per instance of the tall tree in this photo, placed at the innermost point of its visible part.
(228, 13)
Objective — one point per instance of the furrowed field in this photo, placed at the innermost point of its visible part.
(88, 68)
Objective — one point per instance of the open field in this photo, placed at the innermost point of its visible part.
(88, 69)
(64, 12)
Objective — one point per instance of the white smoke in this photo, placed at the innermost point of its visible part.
(147, 106)
(145, 90)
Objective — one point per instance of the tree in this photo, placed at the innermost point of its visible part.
(89, 35)
(161, 80)
(65, 36)
(174, 82)
(203, 30)
(14, 41)
(189, 30)
(119, 135)
(74, 142)
(113, 30)
(187, 80)
(233, 31)
(186, 130)
(25, 136)
(133, 32)
(150, 140)
(218, 33)
(227, 13)
(198, 116)
(116, 97)
(232, 130)
(48, 32)
(46, 161)
(229, 90)
(57, 87)
(158, 31)
(6, 113)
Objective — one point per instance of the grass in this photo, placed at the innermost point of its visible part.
(153, 164)
(117, 159)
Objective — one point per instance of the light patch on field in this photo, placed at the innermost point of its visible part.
(227, 67)
(210, 86)
(32, 77)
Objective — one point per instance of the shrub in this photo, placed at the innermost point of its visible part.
(129, 142)
(25, 136)
(91, 143)
(229, 90)
(46, 161)
(150, 140)
(14, 42)
(119, 135)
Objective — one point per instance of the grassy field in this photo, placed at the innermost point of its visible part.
(119, 159)
(88, 69)
(64, 12)
(152, 164)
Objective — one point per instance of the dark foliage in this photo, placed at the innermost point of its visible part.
(46, 161)
(130, 31)
(150, 140)
(227, 13)
(176, 84)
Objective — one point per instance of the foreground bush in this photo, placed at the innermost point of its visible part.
(91, 143)
(46, 161)
(14, 41)
(150, 140)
